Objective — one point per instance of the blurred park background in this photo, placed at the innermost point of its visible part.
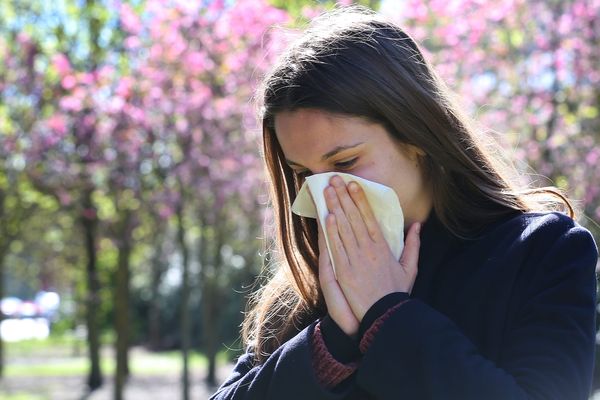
(133, 199)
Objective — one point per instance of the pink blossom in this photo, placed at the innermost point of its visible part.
(89, 121)
(156, 50)
(309, 12)
(416, 10)
(130, 20)
(64, 197)
(199, 96)
(87, 78)
(164, 211)
(196, 62)
(197, 135)
(565, 24)
(216, 6)
(132, 42)
(592, 157)
(71, 103)
(106, 73)
(68, 82)
(62, 64)
(202, 160)
(115, 105)
(23, 38)
(58, 124)
(124, 87)
(135, 113)
(182, 125)
(155, 93)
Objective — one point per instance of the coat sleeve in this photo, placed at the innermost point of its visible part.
(549, 346)
(287, 374)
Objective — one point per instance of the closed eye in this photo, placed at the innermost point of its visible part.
(346, 164)
(342, 165)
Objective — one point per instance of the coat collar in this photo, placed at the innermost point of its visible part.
(438, 245)
(436, 242)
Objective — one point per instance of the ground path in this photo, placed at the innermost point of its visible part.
(155, 386)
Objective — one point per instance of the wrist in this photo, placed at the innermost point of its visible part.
(348, 326)
(378, 309)
(343, 347)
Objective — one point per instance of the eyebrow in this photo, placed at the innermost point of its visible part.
(329, 154)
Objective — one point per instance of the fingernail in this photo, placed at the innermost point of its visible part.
(418, 228)
(336, 181)
(353, 186)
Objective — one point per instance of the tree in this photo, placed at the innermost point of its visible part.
(534, 80)
(195, 83)
(62, 152)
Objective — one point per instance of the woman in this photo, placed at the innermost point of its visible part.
(494, 294)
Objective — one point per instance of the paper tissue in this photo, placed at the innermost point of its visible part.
(310, 202)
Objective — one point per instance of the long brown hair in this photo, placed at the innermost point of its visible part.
(353, 62)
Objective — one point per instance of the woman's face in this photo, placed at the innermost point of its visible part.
(314, 142)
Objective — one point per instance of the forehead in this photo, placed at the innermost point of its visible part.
(305, 132)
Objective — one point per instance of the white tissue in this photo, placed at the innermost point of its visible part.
(383, 200)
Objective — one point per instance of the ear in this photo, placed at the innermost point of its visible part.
(414, 152)
(420, 152)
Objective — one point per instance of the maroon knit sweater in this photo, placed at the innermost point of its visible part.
(331, 370)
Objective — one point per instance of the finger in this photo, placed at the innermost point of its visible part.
(326, 273)
(319, 227)
(321, 241)
(341, 222)
(360, 199)
(351, 211)
(410, 255)
(338, 253)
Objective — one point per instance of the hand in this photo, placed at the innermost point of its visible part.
(337, 305)
(365, 266)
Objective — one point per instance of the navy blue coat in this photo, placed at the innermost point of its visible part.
(510, 315)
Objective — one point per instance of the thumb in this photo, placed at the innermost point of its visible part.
(410, 255)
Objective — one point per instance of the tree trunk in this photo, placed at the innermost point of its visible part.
(210, 324)
(77, 318)
(2, 272)
(185, 294)
(210, 302)
(89, 222)
(154, 331)
(122, 306)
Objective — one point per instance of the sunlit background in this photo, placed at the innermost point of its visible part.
(132, 193)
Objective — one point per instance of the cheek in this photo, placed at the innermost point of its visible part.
(370, 172)
(402, 184)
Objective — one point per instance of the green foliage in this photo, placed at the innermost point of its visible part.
(296, 7)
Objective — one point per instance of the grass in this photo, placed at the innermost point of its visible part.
(22, 396)
(55, 357)
(58, 366)
(147, 364)
(52, 344)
